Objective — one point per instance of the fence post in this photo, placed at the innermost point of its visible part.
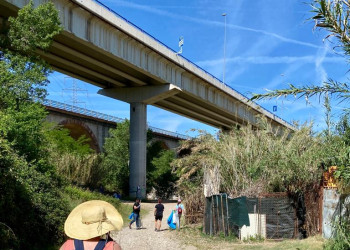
(211, 216)
(218, 215)
(227, 223)
(222, 215)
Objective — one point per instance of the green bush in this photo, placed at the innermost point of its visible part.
(159, 171)
(115, 159)
(75, 196)
(341, 236)
(31, 205)
(115, 163)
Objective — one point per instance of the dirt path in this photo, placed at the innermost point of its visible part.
(147, 238)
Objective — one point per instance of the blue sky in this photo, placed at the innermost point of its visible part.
(269, 44)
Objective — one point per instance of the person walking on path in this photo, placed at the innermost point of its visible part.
(158, 214)
(89, 224)
(178, 213)
(136, 217)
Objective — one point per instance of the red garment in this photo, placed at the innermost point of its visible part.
(69, 245)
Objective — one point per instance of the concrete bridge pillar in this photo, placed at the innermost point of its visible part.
(138, 141)
(139, 97)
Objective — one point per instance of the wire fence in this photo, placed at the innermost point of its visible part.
(266, 217)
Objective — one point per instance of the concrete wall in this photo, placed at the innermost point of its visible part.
(330, 210)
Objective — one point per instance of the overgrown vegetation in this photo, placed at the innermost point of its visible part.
(30, 203)
(39, 162)
(37, 159)
(75, 195)
(115, 162)
(160, 177)
(332, 16)
(250, 162)
(115, 159)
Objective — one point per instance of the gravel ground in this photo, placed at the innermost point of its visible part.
(147, 238)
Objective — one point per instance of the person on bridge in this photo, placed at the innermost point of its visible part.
(158, 214)
(136, 217)
(89, 224)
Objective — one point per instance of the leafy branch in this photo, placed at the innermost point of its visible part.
(341, 90)
(333, 16)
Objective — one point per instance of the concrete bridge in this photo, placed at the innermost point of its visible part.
(95, 125)
(102, 48)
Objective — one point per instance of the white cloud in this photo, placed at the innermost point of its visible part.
(273, 60)
(210, 22)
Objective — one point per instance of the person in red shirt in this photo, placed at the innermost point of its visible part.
(89, 224)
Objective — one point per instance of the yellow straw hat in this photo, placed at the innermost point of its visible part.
(91, 219)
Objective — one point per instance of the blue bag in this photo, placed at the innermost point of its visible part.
(170, 221)
(131, 216)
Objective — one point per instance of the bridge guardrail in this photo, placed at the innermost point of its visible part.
(99, 115)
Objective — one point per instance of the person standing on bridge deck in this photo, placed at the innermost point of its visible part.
(89, 224)
(136, 217)
(158, 214)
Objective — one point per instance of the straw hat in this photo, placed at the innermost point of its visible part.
(91, 219)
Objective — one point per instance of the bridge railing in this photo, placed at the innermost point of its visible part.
(195, 65)
(82, 111)
(169, 133)
(94, 114)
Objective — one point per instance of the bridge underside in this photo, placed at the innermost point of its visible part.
(103, 49)
(93, 49)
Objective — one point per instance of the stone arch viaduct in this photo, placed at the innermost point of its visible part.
(95, 125)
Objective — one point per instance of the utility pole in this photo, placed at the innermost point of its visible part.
(75, 89)
(223, 78)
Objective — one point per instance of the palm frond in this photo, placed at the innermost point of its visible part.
(334, 88)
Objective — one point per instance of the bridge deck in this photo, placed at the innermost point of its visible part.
(100, 47)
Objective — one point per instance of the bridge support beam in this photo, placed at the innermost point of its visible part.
(138, 143)
(139, 97)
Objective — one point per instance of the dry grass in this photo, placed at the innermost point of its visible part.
(82, 170)
(192, 235)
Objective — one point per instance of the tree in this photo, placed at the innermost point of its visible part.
(30, 196)
(115, 162)
(24, 75)
(332, 16)
(60, 141)
(115, 159)
(342, 128)
(249, 162)
(161, 177)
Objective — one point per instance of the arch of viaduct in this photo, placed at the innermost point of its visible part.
(95, 126)
(102, 48)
